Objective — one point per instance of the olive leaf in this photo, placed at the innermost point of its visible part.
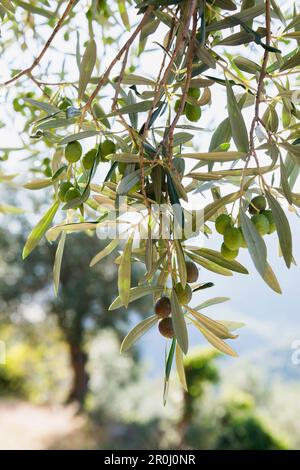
(39, 230)
(8, 5)
(215, 341)
(225, 4)
(129, 181)
(180, 368)
(168, 368)
(48, 108)
(221, 174)
(139, 330)
(283, 229)
(232, 325)
(86, 67)
(181, 263)
(148, 28)
(38, 184)
(78, 136)
(56, 123)
(243, 15)
(215, 156)
(246, 65)
(181, 138)
(284, 182)
(209, 265)
(295, 22)
(105, 252)
(124, 14)
(179, 323)
(237, 123)
(277, 11)
(219, 259)
(211, 209)
(242, 37)
(292, 62)
(124, 273)
(214, 327)
(258, 252)
(136, 293)
(124, 157)
(210, 302)
(53, 233)
(221, 135)
(133, 79)
(35, 9)
(256, 245)
(140, 107)
(177, 185)
(58, 261)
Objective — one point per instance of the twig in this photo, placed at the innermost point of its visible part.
(181, 43)
(122, 51)
(189, 69)
(258, 99)
(37, 60)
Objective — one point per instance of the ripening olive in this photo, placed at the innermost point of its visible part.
(191, 271)
(222, 222)
(73, 151)
(165, 327)
(64, 187)
(261, 223)
(107, 147)
(89, 158)
(232, 238)
(71, 194)
(257, 204)
(162, 307)
(194, 92)
(193, 113)
(228, 254)
(184, 295)
(269, 215)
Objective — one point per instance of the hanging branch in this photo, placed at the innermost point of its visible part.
(258, 99)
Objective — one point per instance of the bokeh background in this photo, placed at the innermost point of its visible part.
(63, 383)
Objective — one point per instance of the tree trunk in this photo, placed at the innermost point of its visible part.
(78, 359)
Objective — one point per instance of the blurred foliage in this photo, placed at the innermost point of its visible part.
(80, 310)
(208, 418)
(125, 407)
(241, 429)
(31, 370)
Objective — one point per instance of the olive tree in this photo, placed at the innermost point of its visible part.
(112, 137)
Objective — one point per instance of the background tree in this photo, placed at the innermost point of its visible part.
(80, 310)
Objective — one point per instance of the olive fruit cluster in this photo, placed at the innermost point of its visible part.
(163, 308)
(73, 153)
(233, 238)
(191, 111)
(262, 217)
(67, 192)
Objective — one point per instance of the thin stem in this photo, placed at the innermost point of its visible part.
(258, 100)
(122, 51)
(37, 60)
